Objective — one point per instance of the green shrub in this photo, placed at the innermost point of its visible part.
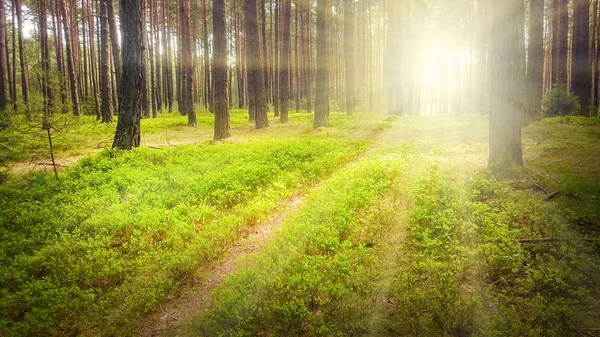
(123, 229)
(560, 102)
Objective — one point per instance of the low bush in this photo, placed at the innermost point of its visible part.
(122, 229)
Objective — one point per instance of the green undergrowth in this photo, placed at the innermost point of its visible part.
(121, 230)
(529, 287)
(468, 266)
(293, 287)
(572, 120)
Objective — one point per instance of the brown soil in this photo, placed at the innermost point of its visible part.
(195, 298)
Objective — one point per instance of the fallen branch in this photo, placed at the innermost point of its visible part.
(552, 195)
(542, 240)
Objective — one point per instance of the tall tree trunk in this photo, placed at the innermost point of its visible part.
(322, 99)
(22, 61)
(70, 60)
(115, 48)
(221, 104)
(256, 84)
(560, 25)
(277, 61)
(59, 57)
(349, 55)
(206, 53)
(159, 56)
(582, 69)
(93, 63)
(186, 105)
(45, 60)
(505, 126)
(284, 76)
(4, 89)
(145, 97)
(168, 68)
(14, 60)
(535, 66)
(105, 76)
(127, 135)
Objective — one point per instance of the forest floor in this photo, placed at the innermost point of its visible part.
(377, 226)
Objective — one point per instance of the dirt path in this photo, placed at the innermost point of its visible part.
(195, 298)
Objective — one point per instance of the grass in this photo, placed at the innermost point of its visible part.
(293, 287)
(122, 229)
(451, 261)
(414, 237)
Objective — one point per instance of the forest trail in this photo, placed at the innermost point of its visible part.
(195, 298)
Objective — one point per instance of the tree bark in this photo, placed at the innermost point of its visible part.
(505, 125)
(186, 105)
(349, 55)
(105, 77)
(127, 135)
(535, 67)
(45, 60)
(581, 66)
(22, 61)
(560, 25)
(322, 98)
(4, 89)
(115, 48)
(70, 60)
(221, 104)
(256, 84)
(284, 77)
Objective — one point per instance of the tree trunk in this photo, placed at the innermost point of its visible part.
(560, 25)
(349, 55)
(186, 105)
(277, 62)
(221, 104)
(206, 54)
(45, 60)
(505, 126)
(284, 71)
(256, 84)
(22, 61)
(105, 77)
(59, 57)
(94, 71)
(581, 66)
(4, 89)
(127, 135)
(535, 67)
(115, 48)
(322, 99)
(70, 60)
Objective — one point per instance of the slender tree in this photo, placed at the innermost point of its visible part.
(206, 57)
(127, 135)
(4, 89)
(221, 103)
(114, 47)
(535, 66)
(105, 77)
(582, 69)
(284, 72)
(349, 55)
(71, 65)
(560, 28)
(45, 58)
(186, 105)
(505, 123)
(322, 99)
(256, 86)
(22, 61)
